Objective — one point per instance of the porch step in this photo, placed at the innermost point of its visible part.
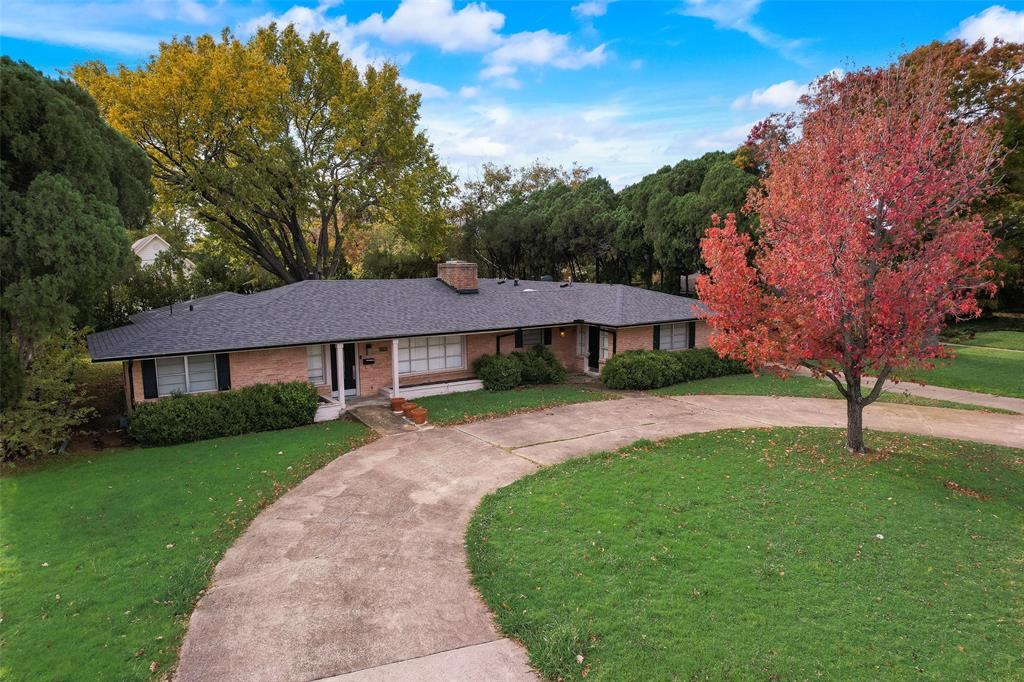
(381, 419)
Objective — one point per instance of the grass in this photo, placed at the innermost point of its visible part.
(800, 387)
(1009, 340)
(986, 370)
(104, 555)
(762, 554)
(459, 408)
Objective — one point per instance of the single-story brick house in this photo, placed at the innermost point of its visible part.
(414, 336)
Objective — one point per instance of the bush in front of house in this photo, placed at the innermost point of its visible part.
(185, 418)
(540, 366)
(640, 370)
(498, 372)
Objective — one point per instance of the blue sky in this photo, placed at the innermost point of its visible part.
(624, 87)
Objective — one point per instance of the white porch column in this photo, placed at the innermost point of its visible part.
(394, 368)
(339, 353)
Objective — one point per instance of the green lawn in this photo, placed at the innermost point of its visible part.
(458, 408)
(797, 386)
(986, 370)
(1010, 340)
(762, 555)
(103, 555)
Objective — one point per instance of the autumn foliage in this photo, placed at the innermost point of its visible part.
(869, 236)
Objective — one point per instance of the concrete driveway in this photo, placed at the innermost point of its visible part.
(359, 572)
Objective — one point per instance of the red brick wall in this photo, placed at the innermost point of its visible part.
(703, 332)
(634, 338)
(250, 367)
(458, 275)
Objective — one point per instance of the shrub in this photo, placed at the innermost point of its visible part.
(645, 369)
(639, 370)
(50, 403)
(540, 366)
(264, 407)
(498, 372)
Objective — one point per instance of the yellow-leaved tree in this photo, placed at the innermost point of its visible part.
(279, 144)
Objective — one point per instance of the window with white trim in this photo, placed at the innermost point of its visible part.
(606, 345)
(533, 337)
(431, 354)
(582, 338)
(675, 336)
(315, 364)
(186, 374)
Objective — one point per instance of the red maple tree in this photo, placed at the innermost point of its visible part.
(868, 238)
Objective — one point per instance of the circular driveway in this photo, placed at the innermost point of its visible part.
(359, 572)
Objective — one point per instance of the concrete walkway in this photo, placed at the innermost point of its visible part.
(359, 572)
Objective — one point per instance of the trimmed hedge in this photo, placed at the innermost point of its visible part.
(504, 372)
(185, 418)
(540, 366)
(498, 372)
(645, 369)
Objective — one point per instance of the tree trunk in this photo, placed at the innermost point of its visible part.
(855, 425)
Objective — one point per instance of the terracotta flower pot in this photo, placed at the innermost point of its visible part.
(396, 405)
(408, 407)
(419, 415)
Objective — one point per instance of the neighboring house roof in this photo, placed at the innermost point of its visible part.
(327, 311)
(155, 245)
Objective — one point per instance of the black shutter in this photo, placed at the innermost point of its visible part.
(149, 389)
(519, 338)
(334, 367)
(547, 336)
(223, 372)
(657, 336)
(691, 335)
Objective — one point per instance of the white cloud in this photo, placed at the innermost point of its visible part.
(309, 20)
(427, 90)
(738, 15)
(469, 91)
(107, 27)
(539, 48)
(591, 8)
(436, 22)
(994, 22)
(621, 141)
(780, 96)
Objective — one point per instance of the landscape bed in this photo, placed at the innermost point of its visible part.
(762, 554)
(459, 408)
(104, 554)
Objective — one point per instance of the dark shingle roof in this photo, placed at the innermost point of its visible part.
(354, 310)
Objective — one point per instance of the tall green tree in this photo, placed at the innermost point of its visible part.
(279, 144)
(69, 186)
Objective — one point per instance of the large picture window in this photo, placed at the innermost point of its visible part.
(186, 374)
(431, 354)
(675, 336)
(315, 364)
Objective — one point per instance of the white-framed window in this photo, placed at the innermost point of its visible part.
(431, 354)
(315, 364)
(186, 374)
(582, 340)
(675, 336)
(533, 337)
(606, 345)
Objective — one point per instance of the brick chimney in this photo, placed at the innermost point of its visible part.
(459, 275)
